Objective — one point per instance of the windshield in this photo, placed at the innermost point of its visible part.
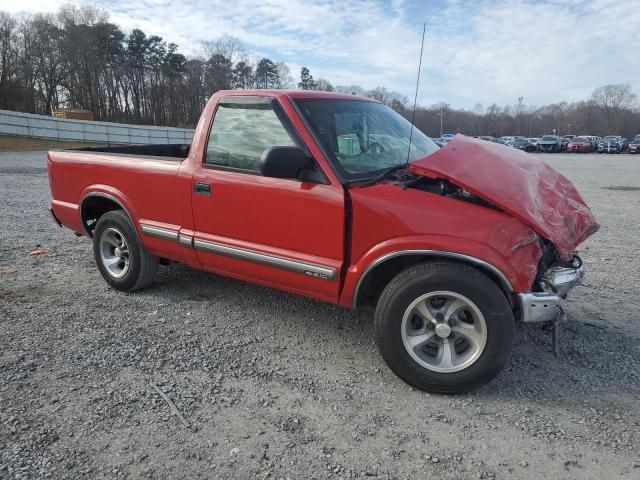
(549, 138)
(636, 140)
(363, 137)
(520, 141)
(580, 140)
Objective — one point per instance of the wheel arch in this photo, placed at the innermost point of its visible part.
(379, 272)
(95, 204)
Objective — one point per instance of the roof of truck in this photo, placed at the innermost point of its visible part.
(295, 94)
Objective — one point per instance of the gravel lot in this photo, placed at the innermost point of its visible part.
(277, 386)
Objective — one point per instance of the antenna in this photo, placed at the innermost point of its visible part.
(415, 101)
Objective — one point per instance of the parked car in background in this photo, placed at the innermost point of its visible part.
(634, 145)
(499, 140)
(534, 141)
(487, 138)
(580, 145)
(446, 138)
(550, 144)
(594, 141)
(564, 142)
(452, 245)
(522, 143)
(610, 144)
(569, 137)
(625, 144)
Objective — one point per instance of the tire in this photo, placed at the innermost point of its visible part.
(136, 267)
(393, 326)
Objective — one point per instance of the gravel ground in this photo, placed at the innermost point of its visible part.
(272, 385)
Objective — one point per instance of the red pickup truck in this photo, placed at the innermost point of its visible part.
(338, 198)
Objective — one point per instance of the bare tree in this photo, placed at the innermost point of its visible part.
(352, 89)
(284, 75)
(9, 88)
(324, 85)
(613, 100)
(50, 66)
(226, 45)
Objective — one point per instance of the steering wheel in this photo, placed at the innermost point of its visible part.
(376, 147)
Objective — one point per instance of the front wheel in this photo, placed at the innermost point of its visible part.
(122, 260)
(444, 327)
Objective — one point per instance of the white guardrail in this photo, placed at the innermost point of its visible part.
(42, 126)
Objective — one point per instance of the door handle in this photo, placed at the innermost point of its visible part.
(203, 189)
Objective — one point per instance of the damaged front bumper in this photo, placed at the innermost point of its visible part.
(556, 283)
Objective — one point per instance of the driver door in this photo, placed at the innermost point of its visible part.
(278, 232)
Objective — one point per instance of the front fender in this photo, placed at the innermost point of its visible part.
(515, 267)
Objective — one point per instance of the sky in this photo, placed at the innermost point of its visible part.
(476, 51)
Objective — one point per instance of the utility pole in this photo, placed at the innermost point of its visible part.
(520, 115)
(441, 113)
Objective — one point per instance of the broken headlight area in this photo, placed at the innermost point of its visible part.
(556, 276)
(553, 282)
(443, 187)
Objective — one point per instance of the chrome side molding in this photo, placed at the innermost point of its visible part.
(185, 240)
(283, 263)
(311, 270)
(159, 232)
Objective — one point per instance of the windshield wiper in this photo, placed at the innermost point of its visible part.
(382, 175)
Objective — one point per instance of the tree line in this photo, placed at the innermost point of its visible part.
(77, 58)
(611, 110)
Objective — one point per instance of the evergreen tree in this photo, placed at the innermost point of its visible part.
(306, 80)
(242, 75)
(267, 75)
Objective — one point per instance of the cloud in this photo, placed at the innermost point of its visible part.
(543, 51)
(32, 6)
(480, 51)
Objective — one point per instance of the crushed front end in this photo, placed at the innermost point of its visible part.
(553, 283)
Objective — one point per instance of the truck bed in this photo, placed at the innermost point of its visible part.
(172, 150)
(141, 177)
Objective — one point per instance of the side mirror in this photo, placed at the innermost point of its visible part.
(285, 162)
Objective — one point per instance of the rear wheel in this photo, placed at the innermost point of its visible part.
(122, 260)
(444, 327)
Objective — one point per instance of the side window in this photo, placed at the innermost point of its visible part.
(241, 132)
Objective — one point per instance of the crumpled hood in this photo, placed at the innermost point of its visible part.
(517, 183)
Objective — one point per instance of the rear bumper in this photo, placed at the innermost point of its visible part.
(556, 282)
(55, 219)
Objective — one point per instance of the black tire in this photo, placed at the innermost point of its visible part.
(460, 279)
(142, 266)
